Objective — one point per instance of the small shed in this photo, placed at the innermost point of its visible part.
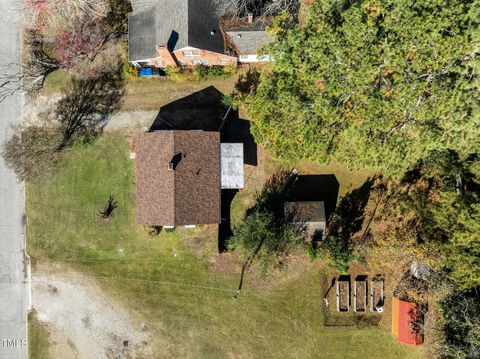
(360, 294)
(343, 294)
(407, 320)
(231, 155)
(312, 213)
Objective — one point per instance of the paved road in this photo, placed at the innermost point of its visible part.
(14, 287)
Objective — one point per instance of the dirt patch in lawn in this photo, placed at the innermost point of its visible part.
(83, 321)
(225, 263)
(229, 263)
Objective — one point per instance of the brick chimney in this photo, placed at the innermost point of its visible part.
(250, 18)
(166, 56)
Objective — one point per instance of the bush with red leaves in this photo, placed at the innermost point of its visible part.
(82, 43)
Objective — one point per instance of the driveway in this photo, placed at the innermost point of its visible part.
(14, 286)
(83, 320)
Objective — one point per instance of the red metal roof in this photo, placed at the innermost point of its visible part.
(404, 315)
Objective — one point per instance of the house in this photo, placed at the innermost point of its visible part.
(247, 38)
(310, 213)
(179, 176)
(166, 33)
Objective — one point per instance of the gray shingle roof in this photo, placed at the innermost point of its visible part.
(231, 155)
(248, 42)
(141, 39)
(140, 5)
(175, 23)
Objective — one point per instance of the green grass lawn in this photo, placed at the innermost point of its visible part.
(170, 285)
(38, 338)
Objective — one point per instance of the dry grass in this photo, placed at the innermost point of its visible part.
(38, 338)
(147, 94)
(152, 93)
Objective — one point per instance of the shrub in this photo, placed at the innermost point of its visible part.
(130, 71)
(175, 73)
(337, 252)
(229, 101)
(199, 72)
(312, 251)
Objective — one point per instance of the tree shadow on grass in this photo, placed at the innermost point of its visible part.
(348, 217)
(86, 105)
(275, 192)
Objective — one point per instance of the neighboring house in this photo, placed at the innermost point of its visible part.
(180, 174)
(247, 38)
(185, 33)
(310, 213)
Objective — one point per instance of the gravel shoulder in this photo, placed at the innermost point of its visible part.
(83, 321)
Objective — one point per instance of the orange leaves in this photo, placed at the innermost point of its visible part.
(320, 85)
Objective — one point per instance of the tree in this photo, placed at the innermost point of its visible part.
(31, 151)
(35, 149)
(259, 8)
(460, 220)
(345, 223)
(373, 85)
(459, 326)
(80, 35)
(336, 250)
(267, 236)
(30, 75)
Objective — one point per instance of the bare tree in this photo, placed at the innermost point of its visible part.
(259, 8)
(41, 13)
(30, 75)
(31, 151)
(86, 44)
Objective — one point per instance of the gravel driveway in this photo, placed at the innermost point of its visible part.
(83, 321)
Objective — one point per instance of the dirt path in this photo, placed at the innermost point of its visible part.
(36, 109)
(84, 322)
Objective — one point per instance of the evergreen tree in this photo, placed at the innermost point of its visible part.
(375, 85)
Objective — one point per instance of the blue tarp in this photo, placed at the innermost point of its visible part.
(146, 72)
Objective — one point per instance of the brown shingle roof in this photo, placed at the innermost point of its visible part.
(187, 194)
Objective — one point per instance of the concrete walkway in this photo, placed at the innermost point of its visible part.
(134, 119)
(14, 279)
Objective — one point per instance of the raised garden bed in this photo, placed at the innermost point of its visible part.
(360, 294)
(343, 294)
(376, 295)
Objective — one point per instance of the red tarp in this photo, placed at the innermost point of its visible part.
(404, 314)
